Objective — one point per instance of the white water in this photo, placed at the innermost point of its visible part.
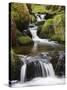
(23, 70)
(45, 67)
(51, 79)
(42, 66)
(49, 70)
(36, 39)
(40, 17)
(39, 81)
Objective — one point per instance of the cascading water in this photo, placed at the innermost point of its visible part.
(38, 71)
(49, 70)
(33, 31)
(40, 17)
(36, 68)
(42, 69)
(35, 38)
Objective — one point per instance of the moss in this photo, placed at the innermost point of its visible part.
(18, 33)
(33, 18)
(59, 25)
(37, 8)
(54, 9)
(47, 29)
(57, 38)
(48, 23)
(15, 66)
(20, 13)
(24, 40)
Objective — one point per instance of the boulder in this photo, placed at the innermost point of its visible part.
(58, 62)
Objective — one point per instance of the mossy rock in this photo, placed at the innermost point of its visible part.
(27, 32)
(20, 14)
(18, 33)
(40, 23)
(39, 30)
(37, 8)
(47, 29)
(15, 66)
(59, 27)
(24, 40)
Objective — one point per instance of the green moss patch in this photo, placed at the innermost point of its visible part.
(23, 40)
(38, 8)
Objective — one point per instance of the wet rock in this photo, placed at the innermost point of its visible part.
(58, 62)
(30, 71)
(60, 67)
(33, 70)
(27, 32)
(49, 16)
(46, 57)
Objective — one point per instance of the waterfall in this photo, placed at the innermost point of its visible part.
(49, 69)
(23, 72)
(40, 17)
(36, 68)
(34, 33)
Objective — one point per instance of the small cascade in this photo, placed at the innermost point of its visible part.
(40, 17)
(37, 40)
(34, 33)
(36, 68)
(33, 29)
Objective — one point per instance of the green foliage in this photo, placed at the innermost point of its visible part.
(23, 40)
(37, 8)
(54, 9)
(50, 9)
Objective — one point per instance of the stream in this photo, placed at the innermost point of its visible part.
(37, 68)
